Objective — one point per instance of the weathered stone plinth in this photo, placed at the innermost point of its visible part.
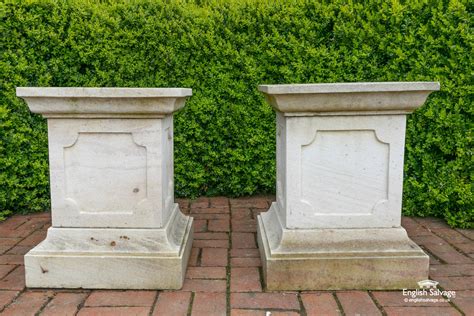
(114, 221)
(336, 223)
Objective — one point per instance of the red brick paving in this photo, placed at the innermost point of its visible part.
(245, 280)
(209, 304)
(357, 303)
(224, 273)
(172, 303)
(114, 311)
(121, 298)
(64, 304)
(206, 273)
(320, 304)
(214, 257)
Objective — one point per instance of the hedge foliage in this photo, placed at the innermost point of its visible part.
(225, 141)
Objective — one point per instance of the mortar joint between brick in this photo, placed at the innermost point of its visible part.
(40, 310)
(14, 299)
(380, 307)
(191, 302)
(153, 305)
(339, 304)
(434, 256)
(451, 302)
(81, 305)
(302, 308)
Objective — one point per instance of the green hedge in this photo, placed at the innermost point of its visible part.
(225, 143)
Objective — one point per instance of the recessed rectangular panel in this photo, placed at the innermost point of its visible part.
(344, 172)
(105, 173)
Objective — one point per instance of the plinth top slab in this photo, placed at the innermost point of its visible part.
(103, 102)
(346, 98)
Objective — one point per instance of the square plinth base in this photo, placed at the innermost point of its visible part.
(338, 265)
(111, 258)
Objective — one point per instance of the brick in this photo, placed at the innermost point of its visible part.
(241, 213)
(441, 270)
(211, 243)
(200, 225)
(245, 262)
(456, 283)
(451, 235)
(245, 280)
(172, 303)
(5, 269)
(114, 311)
(211, 236)
(12, 259)
(253, 202)
(440, 247)
(428, 239)
(420, 311)
(245, 253)
(209, 304)
(28, 303)
(357, 302)
(408, 222)
(465, 301)
(37, 223)
(431, 222)
(212, 216)
(195, 285)
(320, 304)
(201, 202)
(219, 201)
(15, 280)
(6, 297)
(418, 231)
(9, 241)
(33, 239)
(265, 300)
(13, 222)
(247, 312)
(244, 225)
(214, 257)
(433, 260)
(396, 298)
(466, 248)
(447, 253)
(193, 257)
(469, 233)
(210, 210)
(206, 273)
(19, 250)
(218, 225)
(64, 304)
(17, 233)
(243, 240)
(254, 312)
(120, 298)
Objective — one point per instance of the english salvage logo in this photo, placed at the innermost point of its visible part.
(428, 292)
(428, 284)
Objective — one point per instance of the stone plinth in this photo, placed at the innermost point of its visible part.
(114, 221)
(336, 222)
